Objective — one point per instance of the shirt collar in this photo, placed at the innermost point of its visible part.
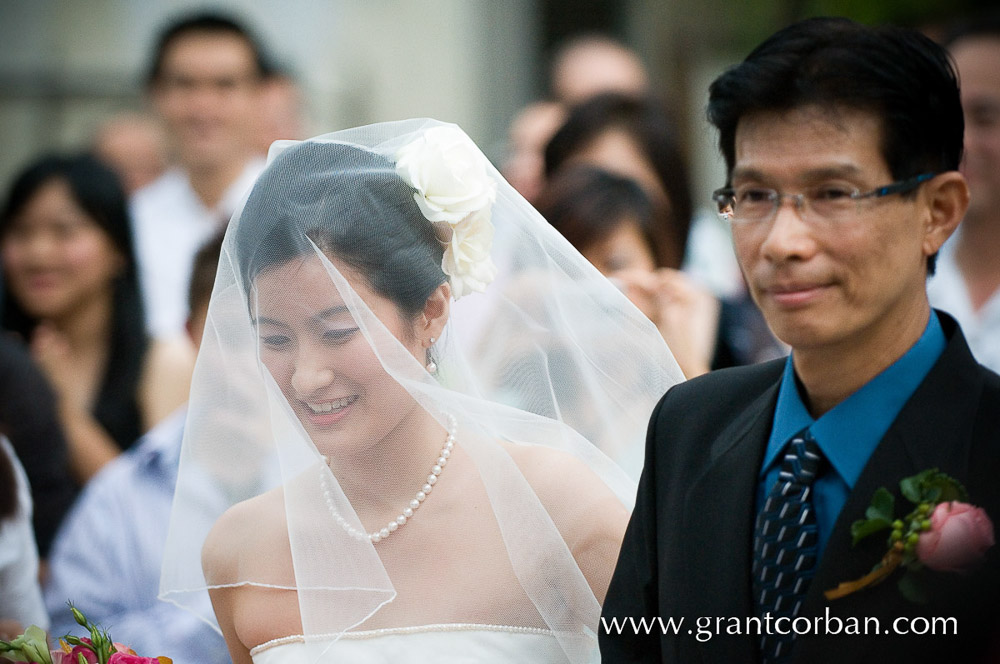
(160, 447)
(240, 188)
(233, 196)
(849, 433)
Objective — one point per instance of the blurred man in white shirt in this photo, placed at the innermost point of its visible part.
(205, 83)
(967, 283)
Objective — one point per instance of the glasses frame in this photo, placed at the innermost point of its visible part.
(725, 198)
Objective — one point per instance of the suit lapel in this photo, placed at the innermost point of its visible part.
(718, 524)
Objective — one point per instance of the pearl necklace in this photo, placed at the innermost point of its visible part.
(414, 504)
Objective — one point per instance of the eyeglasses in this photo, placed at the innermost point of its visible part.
(825, 202)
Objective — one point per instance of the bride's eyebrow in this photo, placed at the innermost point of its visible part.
(267, 321)
(333, 311)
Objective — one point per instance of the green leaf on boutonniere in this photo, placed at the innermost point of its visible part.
(864, 527)
(882, 506)
(932, 486)
(945, 488)
(878, 516)
(913, 486)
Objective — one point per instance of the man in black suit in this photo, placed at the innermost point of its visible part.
(842, 144)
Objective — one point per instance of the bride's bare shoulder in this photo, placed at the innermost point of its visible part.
(588, 514)
(241, 528)
(565, 483)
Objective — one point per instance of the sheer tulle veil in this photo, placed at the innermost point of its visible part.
(477, 477)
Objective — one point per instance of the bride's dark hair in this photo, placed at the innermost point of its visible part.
(351, 204)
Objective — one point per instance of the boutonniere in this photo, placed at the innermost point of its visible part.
(943, 532)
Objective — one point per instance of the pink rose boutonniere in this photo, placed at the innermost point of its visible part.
(943, 533)
(98, 648)
(958, 537)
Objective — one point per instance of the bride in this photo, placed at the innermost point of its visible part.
(393, 447)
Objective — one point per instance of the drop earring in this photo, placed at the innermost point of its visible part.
(431, 366)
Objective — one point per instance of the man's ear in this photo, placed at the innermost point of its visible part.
(947, 198)
(435, 314)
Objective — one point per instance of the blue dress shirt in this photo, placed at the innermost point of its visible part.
(849, 432)
(107, 555)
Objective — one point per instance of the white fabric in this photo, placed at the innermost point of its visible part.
(524, 526)
(20, 596)
(433, 644)
(170, 224)
(947, 291)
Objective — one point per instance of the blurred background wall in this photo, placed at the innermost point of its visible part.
(67, 64)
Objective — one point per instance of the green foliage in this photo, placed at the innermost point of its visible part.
(862, 528)
(100, 640)
(932, 486)
(32, 646)
(878, 516)
(882, 506)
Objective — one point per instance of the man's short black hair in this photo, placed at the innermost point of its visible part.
(899, 75)
(205, 23)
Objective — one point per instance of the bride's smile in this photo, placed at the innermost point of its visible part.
(327, 371)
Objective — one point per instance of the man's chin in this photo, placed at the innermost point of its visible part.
(204, 155)
(800, 330)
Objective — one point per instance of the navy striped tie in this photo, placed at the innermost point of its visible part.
(784, 547)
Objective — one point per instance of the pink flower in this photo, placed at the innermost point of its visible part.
(72, 657)
(959, 536)
(131, 658)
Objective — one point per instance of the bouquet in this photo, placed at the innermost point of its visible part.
(98, 648)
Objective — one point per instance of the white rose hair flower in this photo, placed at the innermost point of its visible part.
(455, 192)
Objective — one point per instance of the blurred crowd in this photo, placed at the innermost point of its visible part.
(108, 258)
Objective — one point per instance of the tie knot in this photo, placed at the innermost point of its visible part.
(802, 459)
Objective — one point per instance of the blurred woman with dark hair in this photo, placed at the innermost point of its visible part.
(634, 138)
(71, 292)
(608, 218)
(614, 224)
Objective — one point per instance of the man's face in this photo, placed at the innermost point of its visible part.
(978, 61)
(207, 93)
(827, 285)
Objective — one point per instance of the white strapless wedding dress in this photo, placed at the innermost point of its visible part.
(426, 644)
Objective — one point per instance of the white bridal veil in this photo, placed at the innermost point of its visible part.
(473, 482)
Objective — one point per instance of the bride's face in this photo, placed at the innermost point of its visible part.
(323, 364)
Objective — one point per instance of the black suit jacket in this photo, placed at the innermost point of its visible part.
(687, 552)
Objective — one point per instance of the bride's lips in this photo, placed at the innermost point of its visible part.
(324, 412)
